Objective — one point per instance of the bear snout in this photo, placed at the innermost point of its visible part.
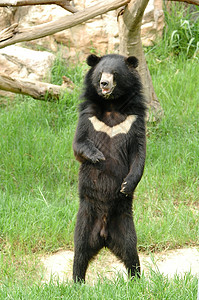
(104, 84)
(107, 83)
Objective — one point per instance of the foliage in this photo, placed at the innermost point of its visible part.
(181, 33)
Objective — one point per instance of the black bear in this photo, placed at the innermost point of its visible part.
(110, 144)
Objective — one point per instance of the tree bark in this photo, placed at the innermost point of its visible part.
(130, 20)
(39, 31)
(36, 89)
(63, 3)
(195, 2)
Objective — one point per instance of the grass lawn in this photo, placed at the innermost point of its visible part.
(155, 287)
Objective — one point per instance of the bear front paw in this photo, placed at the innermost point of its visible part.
(126, 188)
(97, 157)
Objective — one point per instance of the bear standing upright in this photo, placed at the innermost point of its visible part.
(110, 144)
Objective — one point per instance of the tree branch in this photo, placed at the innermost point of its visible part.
(133, 13)
(63, 3)
(195, 2)
(39, 31)
(36, 89)
(8, 33)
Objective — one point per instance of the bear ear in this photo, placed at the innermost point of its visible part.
(92, 60)
(132, 61)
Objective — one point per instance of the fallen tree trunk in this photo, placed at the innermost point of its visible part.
(20, 35)
(63, 3)
(36, 89)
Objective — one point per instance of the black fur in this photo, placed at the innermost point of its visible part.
(111, 167)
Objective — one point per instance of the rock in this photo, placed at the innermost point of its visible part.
(25, 63)
(99, 34)
(152, 22)
(6, 17)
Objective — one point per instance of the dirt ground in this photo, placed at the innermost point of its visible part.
(59, 265)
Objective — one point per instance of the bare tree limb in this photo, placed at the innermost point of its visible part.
(39, 31)
(195, 2)
(7, 33)
(63, 3)
(36, 89)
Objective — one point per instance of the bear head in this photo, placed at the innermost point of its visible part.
(113, 76)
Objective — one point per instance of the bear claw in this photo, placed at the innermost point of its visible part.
(97, 158)
(123, 189)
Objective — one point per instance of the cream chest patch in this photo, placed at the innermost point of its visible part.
(123, 127)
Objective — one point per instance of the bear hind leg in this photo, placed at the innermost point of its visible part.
(123, 243)
(129, 257)
(87, 244)
(132, 263)
(80, 264)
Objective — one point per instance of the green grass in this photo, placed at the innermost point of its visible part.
(168, 191)
(157, 287)
(36, 168)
